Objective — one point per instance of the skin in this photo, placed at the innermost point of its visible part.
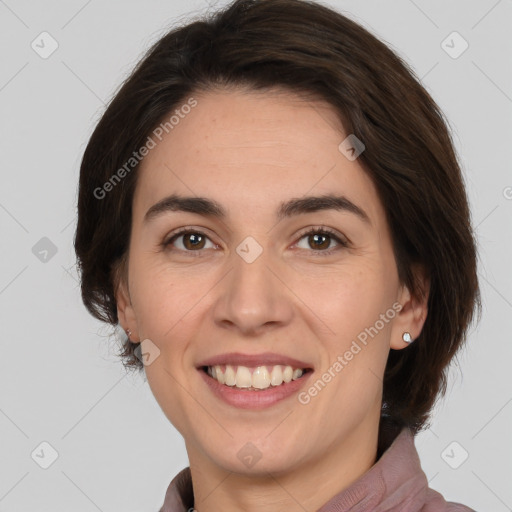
(250, 151)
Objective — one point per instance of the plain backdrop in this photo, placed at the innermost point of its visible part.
(65, 400)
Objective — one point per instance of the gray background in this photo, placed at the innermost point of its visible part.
(60, 381)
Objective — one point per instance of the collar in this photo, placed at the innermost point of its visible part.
(396, 482)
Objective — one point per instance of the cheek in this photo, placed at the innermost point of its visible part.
(356, 351)
(350, 303)
(346, 298)
(162, 298)
(166, 310)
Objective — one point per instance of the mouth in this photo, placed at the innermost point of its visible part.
(255, 378)
(253, 388)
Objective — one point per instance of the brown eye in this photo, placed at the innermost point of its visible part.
(193, 241)
(188, 241)
(319, 239)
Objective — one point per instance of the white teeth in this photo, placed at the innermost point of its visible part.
(221, 377)
(230, 375)
(260, 378)
(296, 374)
(276, 377)
(243, 377)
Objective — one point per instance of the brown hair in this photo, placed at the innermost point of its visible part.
(309, 49)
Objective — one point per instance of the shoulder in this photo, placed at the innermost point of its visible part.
(457, 507)
(436, 503)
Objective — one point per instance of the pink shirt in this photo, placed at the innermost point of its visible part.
(395, 483)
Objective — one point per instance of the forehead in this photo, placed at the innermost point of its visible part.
(248, 149)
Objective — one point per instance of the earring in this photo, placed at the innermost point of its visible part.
(406, 336)
(129, 333)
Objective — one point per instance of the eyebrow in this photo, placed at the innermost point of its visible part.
(211, 208)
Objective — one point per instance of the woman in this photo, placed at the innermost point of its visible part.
(272, 209)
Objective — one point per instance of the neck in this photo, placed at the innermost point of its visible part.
(307, 486)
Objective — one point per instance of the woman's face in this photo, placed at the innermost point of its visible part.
(254, 282)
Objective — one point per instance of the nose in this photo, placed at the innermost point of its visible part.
(253, 297)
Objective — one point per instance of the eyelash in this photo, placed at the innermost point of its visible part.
(314, 230)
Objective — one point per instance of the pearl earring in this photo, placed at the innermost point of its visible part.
(406, 336)
(128, 332)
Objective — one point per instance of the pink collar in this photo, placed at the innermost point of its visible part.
(395, 483)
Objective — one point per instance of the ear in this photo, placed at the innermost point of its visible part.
(125, 311)
(413, 313)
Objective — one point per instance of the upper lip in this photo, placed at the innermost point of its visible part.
(263, 359)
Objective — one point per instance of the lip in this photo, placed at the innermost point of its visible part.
(245, 399)
(263, 359)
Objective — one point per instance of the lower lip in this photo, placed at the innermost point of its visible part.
(254, 399)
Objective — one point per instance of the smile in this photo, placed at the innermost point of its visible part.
(241, 394)
(254, 378)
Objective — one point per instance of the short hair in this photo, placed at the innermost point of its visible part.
(306, 48)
